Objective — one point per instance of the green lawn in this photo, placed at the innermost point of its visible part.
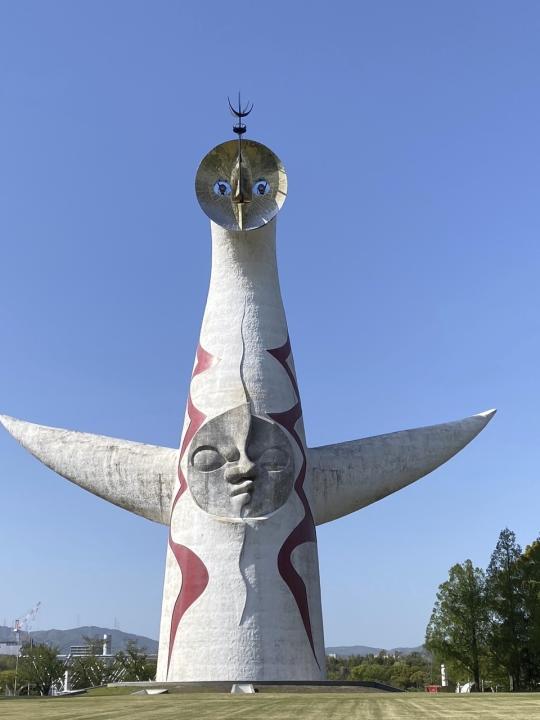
(297, 706)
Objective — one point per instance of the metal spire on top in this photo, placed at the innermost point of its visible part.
(239, 129)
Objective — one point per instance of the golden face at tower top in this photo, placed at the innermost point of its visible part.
(241, 186)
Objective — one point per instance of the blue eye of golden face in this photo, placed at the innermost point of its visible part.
(222, 188)
(261, 187)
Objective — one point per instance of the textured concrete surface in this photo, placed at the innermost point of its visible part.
(345, 477)
(350, 475)
(241, 594)
(135, 476)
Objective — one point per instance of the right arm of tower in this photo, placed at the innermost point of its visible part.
(350, 475)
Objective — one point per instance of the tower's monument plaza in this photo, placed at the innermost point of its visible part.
(244, 493)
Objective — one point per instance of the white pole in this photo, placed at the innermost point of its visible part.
(444, 681)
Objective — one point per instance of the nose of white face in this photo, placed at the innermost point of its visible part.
(240, 471)
(240, 476)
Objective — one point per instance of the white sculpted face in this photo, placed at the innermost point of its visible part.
(240, 466)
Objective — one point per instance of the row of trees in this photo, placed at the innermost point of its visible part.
(486, 624)
(7, 672)
(40, 668)
(409, 672)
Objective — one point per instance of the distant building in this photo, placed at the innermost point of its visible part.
(105, 646)
(9, 647)
(85, 650)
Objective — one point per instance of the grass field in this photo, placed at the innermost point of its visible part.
(298, 706)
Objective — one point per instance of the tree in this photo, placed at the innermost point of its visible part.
(457, 629)
(133, 664)
(7, 674)
(87, 671)
(404, 671)
(90, 670)
(94, 644)
(39, 666)
(7, 681)
(505, 597)
(529, 571)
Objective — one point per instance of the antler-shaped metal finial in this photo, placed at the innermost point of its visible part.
(242, 112)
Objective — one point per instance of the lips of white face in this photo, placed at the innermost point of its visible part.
(243, 488)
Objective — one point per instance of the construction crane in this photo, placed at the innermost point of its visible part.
(25, 622)
(21, 624)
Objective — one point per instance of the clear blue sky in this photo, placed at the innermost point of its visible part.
(409, 260)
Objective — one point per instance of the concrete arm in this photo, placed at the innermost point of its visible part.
(345, 477)
(134, 476)
(348, 476)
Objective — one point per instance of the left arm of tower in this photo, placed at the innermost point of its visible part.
(348, 476)
(135, 476)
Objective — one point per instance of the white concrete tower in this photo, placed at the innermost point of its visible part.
(243, 494)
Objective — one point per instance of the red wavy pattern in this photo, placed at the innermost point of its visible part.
(196, 419)
(194, 571)
(305, 530)
(205, 361)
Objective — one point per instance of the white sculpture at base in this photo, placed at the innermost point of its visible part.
(243, 494)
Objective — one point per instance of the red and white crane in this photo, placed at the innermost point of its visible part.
(24, 623)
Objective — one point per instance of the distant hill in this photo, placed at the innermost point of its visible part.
(63, 639)
(348, 650)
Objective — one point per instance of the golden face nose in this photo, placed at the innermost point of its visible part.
(241, 181)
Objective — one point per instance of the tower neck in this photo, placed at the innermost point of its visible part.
(244, 319)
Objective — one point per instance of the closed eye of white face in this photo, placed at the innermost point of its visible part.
(274, 459)
(207, 459)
